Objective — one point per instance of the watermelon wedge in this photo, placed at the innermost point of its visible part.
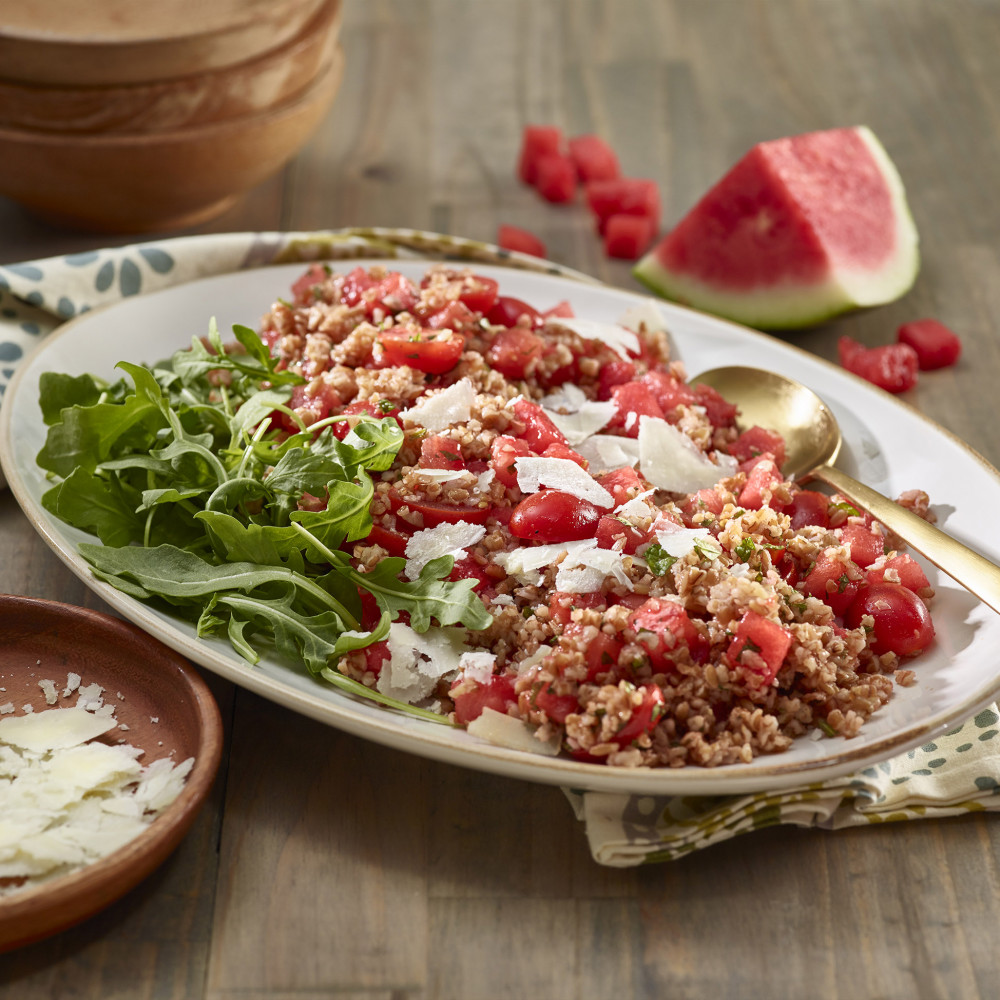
(799, 230)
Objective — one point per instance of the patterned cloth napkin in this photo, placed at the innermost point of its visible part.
(957, 773)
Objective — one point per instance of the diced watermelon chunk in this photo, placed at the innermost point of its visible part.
(627, 237)
(892, 367)
(936, 345)
(537, 141)
(520, 240)
(769, 640)
(594, 159)
(555, 178)
(624, 196)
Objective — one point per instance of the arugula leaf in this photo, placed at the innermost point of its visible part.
(57, 392)
(91, 503)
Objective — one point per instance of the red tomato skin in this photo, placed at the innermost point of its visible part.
(366, 407)
(936, 345)
(845, 587)
(609, 527)
(555, 178)
(513, 350)
(440, 452)
(809, 507)
(454, 316)
(902, 623)
(561, 310)
(553, 516)
(771, 639)
(559, 450)
(506, 311)
(755, 441)
(620, 482)
(671, 626)
(496, 693)
(504, 453)
(392, 541)
(539, 431)
(627, 237)
(434, 512)
(469, 569)
(593, 158)
(479, 293)
(892, 367)
(537, 141)
(520, 240)
(427, 351)
(375, 656)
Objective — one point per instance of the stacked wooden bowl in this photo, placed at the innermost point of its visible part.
(118, 116)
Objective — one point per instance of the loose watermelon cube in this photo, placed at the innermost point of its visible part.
(555, 178)
(537, 141)
(520, 241)
(627, 237)
(594, 159)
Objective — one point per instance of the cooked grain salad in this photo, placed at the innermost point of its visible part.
(432, 495)
(660, 595)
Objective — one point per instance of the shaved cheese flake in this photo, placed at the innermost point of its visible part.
(567, 398)
(506, 731)
(560, 474)
(607, 452)
(681, 541)
(439, 411)
(477, 665)
(54, 729)
(418, 660)
(670, 460)
(442, 540)
(622, 341)
(644, 315)
(577, 426)
(638, 506)
(439, 475)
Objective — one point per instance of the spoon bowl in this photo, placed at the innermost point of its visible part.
(813, 440)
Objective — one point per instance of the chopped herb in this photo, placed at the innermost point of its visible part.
(386, 405)
(842, 583)
(745, 549)
(658, 559)
(848, 508)
(707, 549)
(826, 727)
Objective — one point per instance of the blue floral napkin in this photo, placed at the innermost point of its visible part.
(957, 773)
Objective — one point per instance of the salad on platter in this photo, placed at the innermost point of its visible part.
(433, 495)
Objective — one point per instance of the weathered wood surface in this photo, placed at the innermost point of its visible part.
(326, 866)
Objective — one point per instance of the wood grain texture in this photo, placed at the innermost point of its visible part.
(326, 866)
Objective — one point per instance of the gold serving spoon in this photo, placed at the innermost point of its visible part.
(812, 443)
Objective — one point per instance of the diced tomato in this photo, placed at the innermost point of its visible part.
(561, 310)
(755, 441)
(504, 452)
(612, 374)
(905, 567)
(435, 512)
(644, 718)
(602, 654)
(506, 311)
(761, 480)
(834, 582)
(703, 502)
(620, 483)
(892, 367)
(559, 450)
(432, 351)
(633, 400)
(496, 693)
(611, 529)
(562, 605)
(392, 541)
(513, 350)
(809, 507)
(312, 402)
(520, 240)
(375, 656)
(537, 141)
(662, 626)
(624, 196)
(627, 237)
(478, 293)
(593, 158)
(469, 569)
(902, 623)
(936, 345)
(555, 178)
(363, 407)
(768, 639)
(454, 316)
(440, 452)
(553, 516)
(307, 289)
(556, 706)
(865, 545)
(539, 431)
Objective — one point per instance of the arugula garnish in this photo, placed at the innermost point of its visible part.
(182, 473)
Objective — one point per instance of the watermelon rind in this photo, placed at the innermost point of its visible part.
(791, 306)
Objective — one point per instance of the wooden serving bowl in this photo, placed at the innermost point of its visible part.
(88, 43)
(169, 712)
(267, 80)
(144, 182)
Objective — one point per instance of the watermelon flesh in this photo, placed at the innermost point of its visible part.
(800, 230)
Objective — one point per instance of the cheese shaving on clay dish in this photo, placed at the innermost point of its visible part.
(503, 514)
(67, 799)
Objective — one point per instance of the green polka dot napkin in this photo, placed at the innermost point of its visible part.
(958, 773)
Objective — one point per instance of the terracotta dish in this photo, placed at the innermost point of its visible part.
(45, 639)
(267, 80)
(122, 41)
(143, 182)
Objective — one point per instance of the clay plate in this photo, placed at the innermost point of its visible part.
(47, 640)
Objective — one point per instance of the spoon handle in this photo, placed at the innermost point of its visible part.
(966, 567)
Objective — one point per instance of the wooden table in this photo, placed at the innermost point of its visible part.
(327, 866)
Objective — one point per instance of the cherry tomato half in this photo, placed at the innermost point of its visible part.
(554, 516)
(902, 622)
